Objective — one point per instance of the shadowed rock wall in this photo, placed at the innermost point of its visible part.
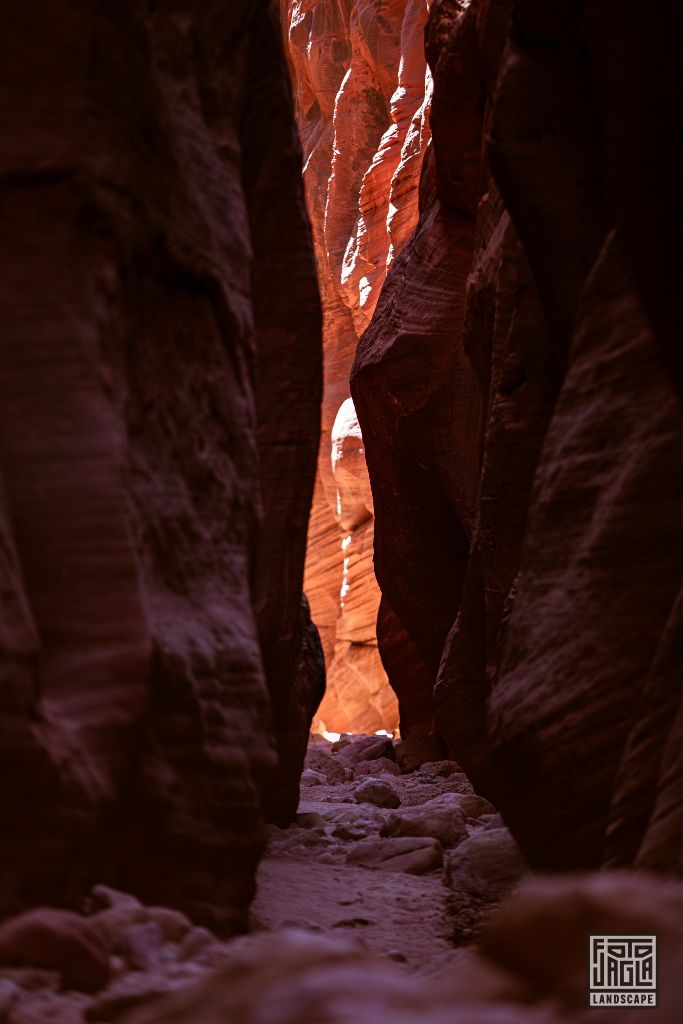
(516, 389)
(160, 380)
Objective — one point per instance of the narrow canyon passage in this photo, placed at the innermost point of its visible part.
(410, 865)
(341, 519)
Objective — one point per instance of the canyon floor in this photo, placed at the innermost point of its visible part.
(365, 856)
(381, 863)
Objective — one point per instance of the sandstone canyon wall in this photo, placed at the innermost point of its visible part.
(160, 383)
(362, 99)
(516, 391)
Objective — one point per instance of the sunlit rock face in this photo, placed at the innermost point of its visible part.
(362, 98)
(160, 382)
(524, 436)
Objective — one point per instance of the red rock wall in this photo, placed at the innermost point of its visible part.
(523, 437)
(362, 100)
(160, 380)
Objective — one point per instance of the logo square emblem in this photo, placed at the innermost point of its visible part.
(622, 970)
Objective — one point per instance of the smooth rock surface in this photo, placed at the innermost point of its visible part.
(160, 371)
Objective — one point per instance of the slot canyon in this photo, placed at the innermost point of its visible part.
(341, 533)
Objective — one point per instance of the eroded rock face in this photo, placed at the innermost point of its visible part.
(160, 369)
(523, 437)
(362, 97)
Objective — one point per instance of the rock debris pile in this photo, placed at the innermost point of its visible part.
(423, 911)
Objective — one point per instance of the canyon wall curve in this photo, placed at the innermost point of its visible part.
(523, 434)
(159, 416)
(362, 95)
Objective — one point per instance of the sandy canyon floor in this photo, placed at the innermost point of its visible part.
(401, 867)
(371, 852)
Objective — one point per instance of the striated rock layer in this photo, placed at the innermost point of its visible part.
(362, 100)
(159, 399)
(517, 397)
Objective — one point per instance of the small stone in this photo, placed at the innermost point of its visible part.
(490, 821)
(103, 897)
(443, 769)
(195, 942)
(328, 857)
(10, 993)
(113, 922)
(311, 819)
(141, 946)
(344, 740)
(378, 792)
(173, 924)
(311, 778)
(346, 833)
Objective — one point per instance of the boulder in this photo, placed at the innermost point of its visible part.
(443, 769)
(310, 819)
(319, 759)
(173, 924)
(311, 778)
(379, 792)
(367, 748)
(59, 940)
(487, 865)
(382, 766)
(415, 856)
(540, 933)
(444, 818)
(417, 748)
